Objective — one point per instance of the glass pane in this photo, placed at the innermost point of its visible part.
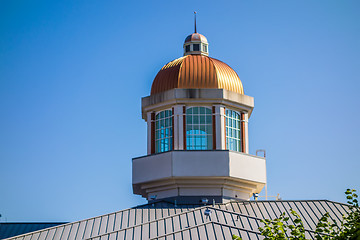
(188, 119)
(195, 110)
(209, 129)
(157, 125)
(196, 47)
(208, 119)
(208, 110)
(189, 111)
(202, 110)
(196, 119)
(209, 142)
(202, 119)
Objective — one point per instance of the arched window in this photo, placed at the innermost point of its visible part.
(233, 130)
(164, 131)
(199, 128)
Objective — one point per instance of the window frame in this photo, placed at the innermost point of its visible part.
(199, 129)
(233, 130)
(164, 131)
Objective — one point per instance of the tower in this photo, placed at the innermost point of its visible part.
(197, 132)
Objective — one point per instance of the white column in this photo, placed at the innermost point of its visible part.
(220, 126)
(178, 127)
(246, 119)
(148, 119)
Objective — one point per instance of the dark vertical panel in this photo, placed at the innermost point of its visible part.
(152, 133)
(184, 127)
(214, 127)
(225, 128)
(173, 137)
(243, 149)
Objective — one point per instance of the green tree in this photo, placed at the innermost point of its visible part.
(326, 229)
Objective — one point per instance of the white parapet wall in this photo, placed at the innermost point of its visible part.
(221, 173)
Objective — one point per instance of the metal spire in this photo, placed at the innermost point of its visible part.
(195, 21)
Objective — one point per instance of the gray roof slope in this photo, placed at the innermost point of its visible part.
(10, 229)
(163, 220)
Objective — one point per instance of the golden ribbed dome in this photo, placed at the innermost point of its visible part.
(196, 71)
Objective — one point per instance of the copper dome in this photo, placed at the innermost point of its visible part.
(196, 37)
(196, 71)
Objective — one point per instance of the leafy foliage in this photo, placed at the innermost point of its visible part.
(349, 228)
(326, 229)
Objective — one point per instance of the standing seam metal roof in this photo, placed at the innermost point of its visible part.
(162, 220)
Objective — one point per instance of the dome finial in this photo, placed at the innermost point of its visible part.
(195, 21)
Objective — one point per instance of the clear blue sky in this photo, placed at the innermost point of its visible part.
(72, 74)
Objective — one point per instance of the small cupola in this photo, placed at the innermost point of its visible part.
(196, 44)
